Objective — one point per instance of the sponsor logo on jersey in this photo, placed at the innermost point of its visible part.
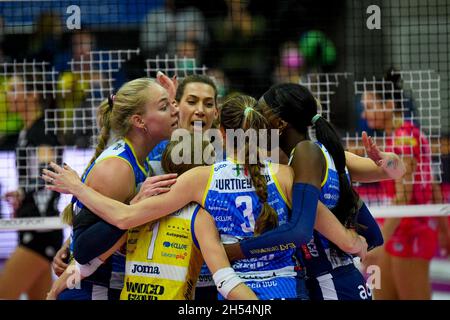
(118, 146)
(175, 245)
(177, 256)
(176, 235)
(223, 218)
(139, 268)
(220, 166)
(143, 291)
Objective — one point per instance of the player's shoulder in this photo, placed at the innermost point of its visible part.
(116, 167)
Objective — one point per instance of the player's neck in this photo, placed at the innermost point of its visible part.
(141, 145)
(289, 139)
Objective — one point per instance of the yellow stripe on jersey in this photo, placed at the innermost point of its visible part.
(277, 184)
(205, 193)
(134, 154)
(326, 168)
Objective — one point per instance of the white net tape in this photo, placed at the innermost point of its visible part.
(433, 210)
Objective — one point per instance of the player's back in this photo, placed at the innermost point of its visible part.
(235, 206)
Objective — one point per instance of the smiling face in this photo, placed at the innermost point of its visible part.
(197, 104)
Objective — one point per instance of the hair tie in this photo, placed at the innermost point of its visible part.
(315, 118)
(111, 98)
(247, 111)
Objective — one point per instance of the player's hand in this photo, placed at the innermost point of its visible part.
(58, 263)
(61, 179)
(372, 150)
(153, 186)
(390, 162)
(170, 85)
(363, 248)
(372, 258)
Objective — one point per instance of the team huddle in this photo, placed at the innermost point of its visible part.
(147, 227)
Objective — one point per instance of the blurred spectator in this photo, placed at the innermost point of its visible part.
(81, 84)
(290, 64)
(445, 161)
(165, 28)
(221, 81)
(318, 50)
(10, 122)
(241, 47)
(28, 270)
(46, 41)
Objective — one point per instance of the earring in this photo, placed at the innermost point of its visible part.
(145, 129)
(281, 127)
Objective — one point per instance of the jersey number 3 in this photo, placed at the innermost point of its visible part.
(248, 212)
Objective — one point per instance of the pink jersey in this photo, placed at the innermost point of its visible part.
(409, 140)
(415, 237)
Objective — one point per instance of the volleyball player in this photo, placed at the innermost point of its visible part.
(28, 269)
(140, 116)
(410, 243)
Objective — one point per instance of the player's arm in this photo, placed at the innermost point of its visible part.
(308, 165)
(378, 166)
(346, 239)
(99, 237)
(190, 187)
(227, 281)
(63, 282)
(58, 263)
(76, 272)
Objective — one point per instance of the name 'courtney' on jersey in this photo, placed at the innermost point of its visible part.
(235, 206)
(319, 255)
(111, 273)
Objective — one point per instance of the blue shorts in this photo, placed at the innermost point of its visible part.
(90, 291)
(343, 283)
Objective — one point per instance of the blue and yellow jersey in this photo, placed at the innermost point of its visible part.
(111, 272)
(232, 201)
(319, 255)
(154, 157)
(163, 258)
